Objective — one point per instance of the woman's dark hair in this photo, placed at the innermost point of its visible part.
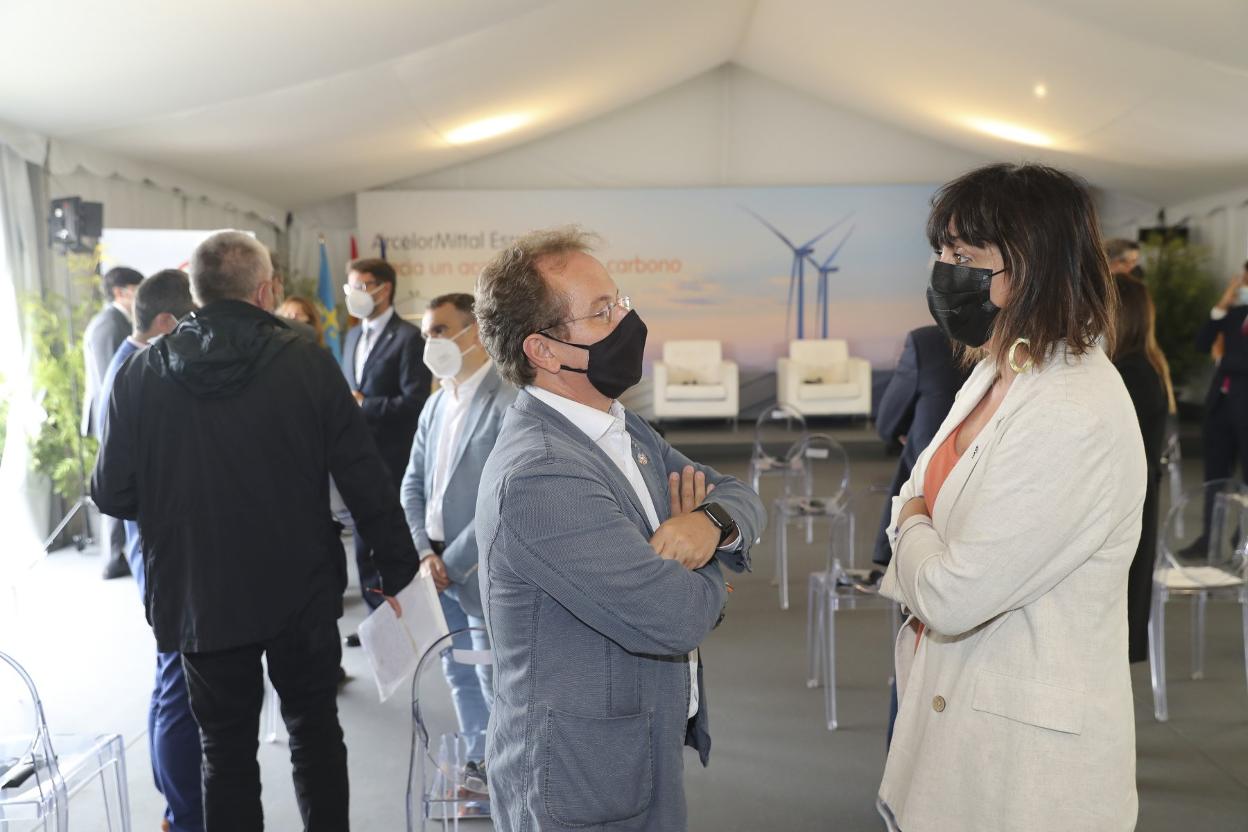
(1045, 225)
(1136, 330)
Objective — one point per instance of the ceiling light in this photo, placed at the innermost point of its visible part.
(486, 128)
(1040, 90)
(1010, 132)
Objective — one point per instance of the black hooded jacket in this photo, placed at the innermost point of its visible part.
(220, 440)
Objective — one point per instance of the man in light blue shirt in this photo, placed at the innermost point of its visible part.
(454, 437)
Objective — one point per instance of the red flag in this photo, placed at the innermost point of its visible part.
(355, 252)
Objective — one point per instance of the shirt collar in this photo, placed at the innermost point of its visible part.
(468, 388)
(379, 323)
(592, 422)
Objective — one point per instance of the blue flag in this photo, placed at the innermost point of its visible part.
(328, 306)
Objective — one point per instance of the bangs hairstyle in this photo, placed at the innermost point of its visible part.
(1043, 221)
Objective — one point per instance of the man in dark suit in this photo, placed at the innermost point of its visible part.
(1225, 431)
(106, 331)
(916, 401)
(383, 361)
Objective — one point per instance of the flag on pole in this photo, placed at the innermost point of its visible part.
(328, 303)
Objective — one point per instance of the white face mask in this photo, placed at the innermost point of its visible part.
(360, 302)
(442, 355)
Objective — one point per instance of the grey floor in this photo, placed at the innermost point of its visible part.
(774, 765)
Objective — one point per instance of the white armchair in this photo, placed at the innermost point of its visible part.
(693, 381)
(821, 378)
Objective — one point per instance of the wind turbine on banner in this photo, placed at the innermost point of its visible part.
(821, 289)
(797, 272)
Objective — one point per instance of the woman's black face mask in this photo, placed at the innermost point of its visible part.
(959, 300)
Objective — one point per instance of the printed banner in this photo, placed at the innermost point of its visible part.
(752, 267)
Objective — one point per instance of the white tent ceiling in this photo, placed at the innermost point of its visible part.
(300, 100)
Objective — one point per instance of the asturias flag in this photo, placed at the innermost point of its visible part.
(328, 306)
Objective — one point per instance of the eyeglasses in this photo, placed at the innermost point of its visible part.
(605, 315)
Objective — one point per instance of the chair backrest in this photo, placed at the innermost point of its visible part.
(821, 361)
(824, 467)
(775, 418)
(1226, 551)
(437, 751)
(824, 352)
(693, 362)
(26, 745)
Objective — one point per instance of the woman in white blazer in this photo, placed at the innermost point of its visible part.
(1014, 535)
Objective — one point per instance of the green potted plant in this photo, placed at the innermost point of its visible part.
(1183, 290)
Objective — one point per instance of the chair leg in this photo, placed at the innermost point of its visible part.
(272, 709)
(829, 670)
(1243, 605)
(774, 519)
(1157, 654)
(782, 561)
(814, 631)
(1198, 635)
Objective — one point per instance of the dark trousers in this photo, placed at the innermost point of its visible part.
(173, 740)
(227, 690)
(370, 578)
(1225, 441)
(1140, 576)
(112, 538)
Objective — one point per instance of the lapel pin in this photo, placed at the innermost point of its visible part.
(642, 459)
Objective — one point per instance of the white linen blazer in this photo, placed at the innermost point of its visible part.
(1016, 710)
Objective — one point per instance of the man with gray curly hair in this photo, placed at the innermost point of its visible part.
(600, 553)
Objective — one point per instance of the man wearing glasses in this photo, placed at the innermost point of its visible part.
(600, 556)
(383, 361)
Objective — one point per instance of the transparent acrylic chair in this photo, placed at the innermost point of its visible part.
(271, 712)
(766, 459)
(435, 788)
(36, 781)
(816, 463)
(1172, 462)
(841, 585)
(1222, 574)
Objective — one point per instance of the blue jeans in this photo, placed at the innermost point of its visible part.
(172, 733)
(173, 739)
(472, 686)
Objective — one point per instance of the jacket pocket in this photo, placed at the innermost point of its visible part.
(597, 770)
(1029, 701)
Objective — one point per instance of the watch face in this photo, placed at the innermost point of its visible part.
(717, 514)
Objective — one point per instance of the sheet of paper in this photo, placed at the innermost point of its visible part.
(393, 645)
(388, 648)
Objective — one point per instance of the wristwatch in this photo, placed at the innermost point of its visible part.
(721, 518)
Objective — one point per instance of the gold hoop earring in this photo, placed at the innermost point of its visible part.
(1010, 356)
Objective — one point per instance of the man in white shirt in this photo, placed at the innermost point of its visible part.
(439, 493)
(600, 552)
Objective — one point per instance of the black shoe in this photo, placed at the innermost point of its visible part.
(353, 640)
(474, 779)
(116, 568)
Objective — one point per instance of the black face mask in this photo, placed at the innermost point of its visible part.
(958, 299)
(615, 361)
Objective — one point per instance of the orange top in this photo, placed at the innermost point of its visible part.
(939, 466)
